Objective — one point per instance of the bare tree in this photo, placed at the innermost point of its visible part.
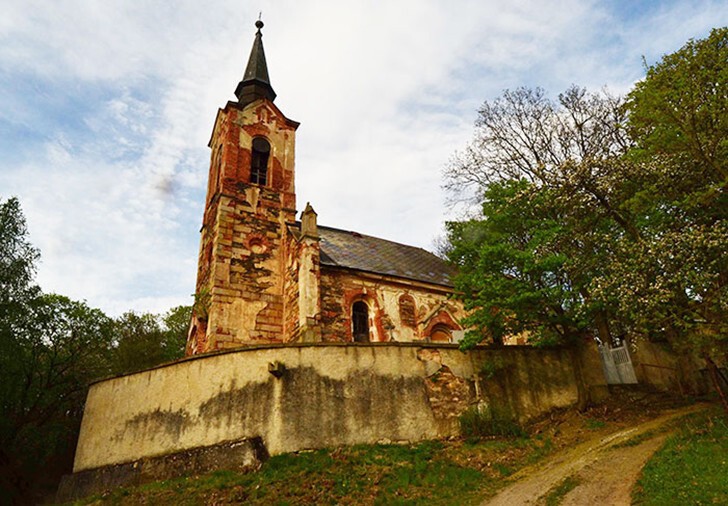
(525, 135)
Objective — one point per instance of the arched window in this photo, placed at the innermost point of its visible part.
(441, 334)
(218, 167)
(259, 161)
(407, 311)
(360, 321)
(215, 161)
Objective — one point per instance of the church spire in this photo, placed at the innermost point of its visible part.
(255, 83)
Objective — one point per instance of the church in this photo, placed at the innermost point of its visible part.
(279, 298)
(266, 277)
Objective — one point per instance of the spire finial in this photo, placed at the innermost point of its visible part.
(255, 83)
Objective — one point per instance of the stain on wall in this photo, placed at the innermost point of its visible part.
(327, 394)
(244, 232)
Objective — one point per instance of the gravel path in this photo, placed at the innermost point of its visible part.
(604, 470)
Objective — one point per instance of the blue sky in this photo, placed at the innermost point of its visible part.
(107, 109)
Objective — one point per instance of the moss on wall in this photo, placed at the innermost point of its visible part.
(325, 395)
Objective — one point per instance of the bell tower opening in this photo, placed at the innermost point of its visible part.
(259, 161)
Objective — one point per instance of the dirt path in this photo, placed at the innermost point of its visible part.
(604, 470)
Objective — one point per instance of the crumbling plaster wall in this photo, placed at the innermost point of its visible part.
(327, 395)
(384, 297)
(244, 234)
(247, 282)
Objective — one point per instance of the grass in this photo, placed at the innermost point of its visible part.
(457, 472)
(593, 424)
(692, 466)
(554, 496)
(477, 422)
(432, 472)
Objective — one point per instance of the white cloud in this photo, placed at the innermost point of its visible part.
(122, 96)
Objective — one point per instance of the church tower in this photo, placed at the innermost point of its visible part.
(250, 203)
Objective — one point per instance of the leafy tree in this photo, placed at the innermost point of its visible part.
(679, 120)
(680, 111)
(60, 347)
(512, 269)
(138, 339)
(556, 162)
(636, 202)
(50, 348)
(672, 282)
(678, 116)
(177, 324)
(145, 340)
(17, 269)
(17, 265)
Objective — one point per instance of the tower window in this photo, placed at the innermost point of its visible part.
(360, 321)
(259, 161)
(215, 162)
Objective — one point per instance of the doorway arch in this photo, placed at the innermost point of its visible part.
(360, 321)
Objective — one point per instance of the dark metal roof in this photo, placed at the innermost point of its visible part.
(351, 250)
(255, 83)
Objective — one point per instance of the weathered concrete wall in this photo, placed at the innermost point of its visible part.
(328, 395)
(241, 455)
(657, 365)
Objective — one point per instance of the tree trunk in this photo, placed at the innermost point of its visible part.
(583, 401)
(12, 485)
(605, 334)
(716, 375)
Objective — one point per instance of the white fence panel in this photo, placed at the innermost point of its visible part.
(624, 364)
(617, 365)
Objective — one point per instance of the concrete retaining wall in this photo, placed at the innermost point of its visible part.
(312, 396)
(242, 455)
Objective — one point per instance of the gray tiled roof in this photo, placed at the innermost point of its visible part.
(351, 250)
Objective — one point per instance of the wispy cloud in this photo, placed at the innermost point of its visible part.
(108, 107)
